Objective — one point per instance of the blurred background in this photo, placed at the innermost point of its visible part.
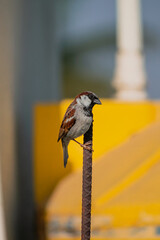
(53, 50)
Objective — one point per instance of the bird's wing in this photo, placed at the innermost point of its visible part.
(67, 123)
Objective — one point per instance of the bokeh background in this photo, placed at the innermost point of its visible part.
(52, 50)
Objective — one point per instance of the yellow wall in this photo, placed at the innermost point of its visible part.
(113, 123)
(47, 153)
(125, 191)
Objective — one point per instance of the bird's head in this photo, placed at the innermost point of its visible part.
(87, 99)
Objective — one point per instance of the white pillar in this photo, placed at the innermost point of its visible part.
(130, 78)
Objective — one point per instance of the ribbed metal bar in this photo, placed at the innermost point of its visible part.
(87, 187)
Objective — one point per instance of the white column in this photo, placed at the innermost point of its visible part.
(130, 77)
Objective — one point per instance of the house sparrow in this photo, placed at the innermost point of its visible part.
(77, 120)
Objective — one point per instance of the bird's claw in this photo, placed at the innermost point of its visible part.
(88, 143)
(85, 146)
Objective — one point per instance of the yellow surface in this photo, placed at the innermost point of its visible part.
(126, 184)
(130, 178)
(114, 122)
(109, 238)
(47, 153)
(120, 238)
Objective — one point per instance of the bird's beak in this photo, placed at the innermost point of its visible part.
(97, 101)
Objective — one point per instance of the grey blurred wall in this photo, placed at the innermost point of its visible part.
(37, 80)
(30, 74)
(7, 131)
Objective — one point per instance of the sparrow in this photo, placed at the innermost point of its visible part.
(77, 120)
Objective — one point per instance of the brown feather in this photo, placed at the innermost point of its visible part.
(67, 124)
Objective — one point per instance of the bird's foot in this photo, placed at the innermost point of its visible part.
(88, 143)
(86, 146)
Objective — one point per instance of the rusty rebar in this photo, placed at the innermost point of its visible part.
(87, 187)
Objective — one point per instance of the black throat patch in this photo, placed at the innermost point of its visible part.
(88, 112)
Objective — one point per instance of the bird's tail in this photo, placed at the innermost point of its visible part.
(65, 153)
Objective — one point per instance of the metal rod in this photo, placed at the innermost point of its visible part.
(87, 187)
